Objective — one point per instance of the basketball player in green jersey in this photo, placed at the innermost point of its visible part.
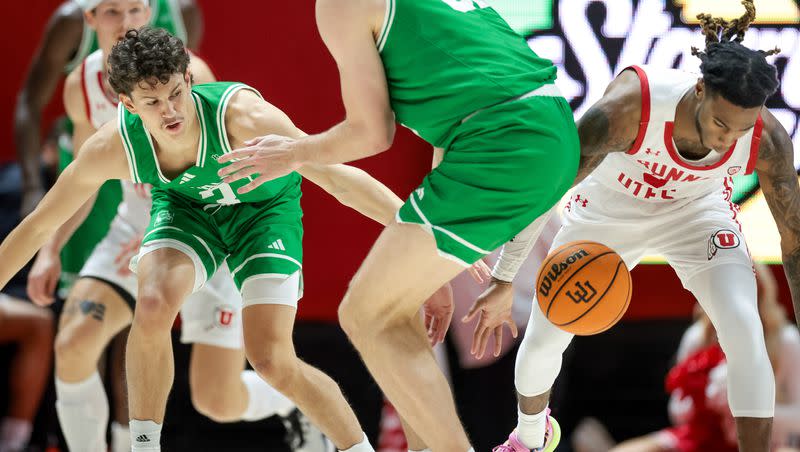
(455, 72)
(169, 135)
(70, 36)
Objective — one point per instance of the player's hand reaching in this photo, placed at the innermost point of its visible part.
(125, 254)
(268, 157)
(493, 310)
(43, 277)
(438, 312)
(480, 272)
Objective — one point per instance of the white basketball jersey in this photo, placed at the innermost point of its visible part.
(101, 107)
(653, 170)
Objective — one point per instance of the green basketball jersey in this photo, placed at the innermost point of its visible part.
(446, 59)
(166, 15)
(200, 183)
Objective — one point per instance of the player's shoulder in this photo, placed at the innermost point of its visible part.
(775, 141)
(622, 101)
(67, 18)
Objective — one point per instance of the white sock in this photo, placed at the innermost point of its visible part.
(363, 446)
(145, 436)
(83, 413)
(120, 437)
(263, 400)
(14, 434)
(531, 428)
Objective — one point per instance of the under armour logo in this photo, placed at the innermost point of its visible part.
(582, 294)
(581, 201)
(652, 152)
(142, 439)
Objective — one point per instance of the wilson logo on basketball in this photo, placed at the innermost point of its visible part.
(582, 294)
(722, 239)
(557, 269)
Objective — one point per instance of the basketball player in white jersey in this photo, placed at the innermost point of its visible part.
(658, 152)
(102, 300)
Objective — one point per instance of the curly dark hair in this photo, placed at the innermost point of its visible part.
(149, 55)
(741, 75)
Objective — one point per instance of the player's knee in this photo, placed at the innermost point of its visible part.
(156, 308)
(213, 402)
(741, 336)
(76, 343)
(278, 369)
(362, 320)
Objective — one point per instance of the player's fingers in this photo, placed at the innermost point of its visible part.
(473, 311)
(237, 154)
(498, 340)
(254, 184)
(444, 326)
(485, 335)
(512, 325)
(242, 174)
(476, 274)
(476, 337)
(253, 141)
(234, 168)
(483, 268)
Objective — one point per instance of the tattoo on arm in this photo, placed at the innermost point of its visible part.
(779, 183)
(597, 140)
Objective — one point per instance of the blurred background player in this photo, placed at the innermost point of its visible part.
(31, 330)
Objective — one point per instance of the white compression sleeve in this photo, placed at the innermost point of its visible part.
(516, 250)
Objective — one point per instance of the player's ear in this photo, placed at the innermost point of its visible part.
(90, 17)
(700, 89)
(188, 78)
(127, 102)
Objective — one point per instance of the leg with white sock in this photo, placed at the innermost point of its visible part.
(727, 293)
(93, 314)
(166, 278)
(538, 364)
(31, 329)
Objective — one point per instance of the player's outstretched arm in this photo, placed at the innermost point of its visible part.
(101, 159)
(610, 125)
(249, 115)
(368, 129)
(60, 40)
(778, 178)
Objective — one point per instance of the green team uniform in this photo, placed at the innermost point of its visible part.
(259, 233)
(464, 81)
(165, 14)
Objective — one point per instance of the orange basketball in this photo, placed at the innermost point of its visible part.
(583, 287)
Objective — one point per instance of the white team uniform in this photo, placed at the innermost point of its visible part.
(651, 200)
(211, 315)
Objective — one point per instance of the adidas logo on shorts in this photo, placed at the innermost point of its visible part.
(142, 439)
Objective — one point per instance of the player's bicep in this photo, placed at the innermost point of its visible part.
(346, 32)
(249, 116)
(778, 178)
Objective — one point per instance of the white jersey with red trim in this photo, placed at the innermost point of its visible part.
(653, 170)
(101, 107)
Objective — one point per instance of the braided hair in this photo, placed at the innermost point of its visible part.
(739, 74)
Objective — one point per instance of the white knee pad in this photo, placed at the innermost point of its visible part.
(539, 356)
(727, 293)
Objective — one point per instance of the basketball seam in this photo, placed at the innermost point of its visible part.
(621, 312)
(555, 295)
(610, 285)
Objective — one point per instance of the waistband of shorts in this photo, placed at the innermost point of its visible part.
(548, 90)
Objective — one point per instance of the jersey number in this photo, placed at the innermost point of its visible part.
(228, 196)
(466, 5)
